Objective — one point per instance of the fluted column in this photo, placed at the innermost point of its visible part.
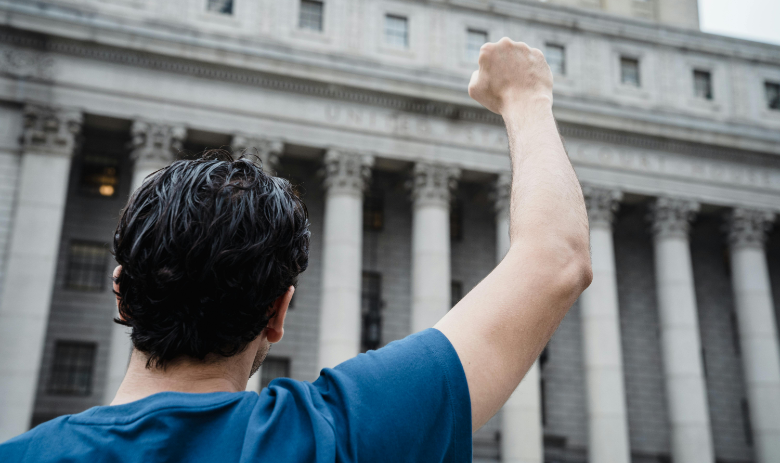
(603, 352)
(346, 177)
(757, 328)
(680, 340)
(48, 144)
(521, 416)
(154, 147)
(431, 283)
(267, 150)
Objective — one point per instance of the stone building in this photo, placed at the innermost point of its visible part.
(671, 355)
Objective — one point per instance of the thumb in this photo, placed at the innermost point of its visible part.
(473, 84)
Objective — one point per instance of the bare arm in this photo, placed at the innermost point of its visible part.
(502, 325)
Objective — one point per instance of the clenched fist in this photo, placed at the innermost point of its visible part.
(510, 74)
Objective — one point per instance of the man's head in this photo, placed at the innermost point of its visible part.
(208, 249)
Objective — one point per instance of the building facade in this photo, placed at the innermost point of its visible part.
(670, 355)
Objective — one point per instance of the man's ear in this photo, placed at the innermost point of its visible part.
(275, 329)
(117, 271)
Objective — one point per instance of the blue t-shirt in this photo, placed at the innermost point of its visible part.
(408, 401)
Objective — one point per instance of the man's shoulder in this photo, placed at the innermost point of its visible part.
(17, 448)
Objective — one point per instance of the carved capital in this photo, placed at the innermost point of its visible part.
(347, 172)
(267, 150)
(748, 227)
(601, 203)
(156, 143)
(673, 216)
(502, 192)
(51, 130)
(433, 183)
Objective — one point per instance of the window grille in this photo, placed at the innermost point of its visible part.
(274, 367)
(71, 371)
(373, 211)
(474, 41)
(220, 6)
(311, 15)
(456, 292)
(556, 58)
(702, 84)
(629, 71)
(772, 90)
(87, 266)
(397, 31)
(371, 308)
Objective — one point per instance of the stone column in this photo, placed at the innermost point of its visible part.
(346, 177)
(607, 419)
(48, 144)
(268, 151)
(521, 416)
(757, 328)
(154, 146)
(431, 281)
(680, 340)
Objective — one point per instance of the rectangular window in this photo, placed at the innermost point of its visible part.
(474, 41)
(373, 211)
(71, 371)
(397, 31)
(772, 90)
(274, 367)
(87, 266)
(99, 174)
(702, 84)
(220, 6)
(629, 71)
(371, 309)
(456, 292)
(311, 15)
(556, 58)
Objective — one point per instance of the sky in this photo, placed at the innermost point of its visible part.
(757, 20)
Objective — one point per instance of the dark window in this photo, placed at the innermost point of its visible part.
(274, 367)
(629, 71)
(456, 292)
(99, 174)
(87, 266)
(374, 211)
(772, 90)
(474, 41)
(456, 220)
(396, 31)
(371, 308)
(311, 15)
(556, 58)
(702, 84)
(220, 6)
(71, 371)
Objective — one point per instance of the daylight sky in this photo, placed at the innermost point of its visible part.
(757, 20)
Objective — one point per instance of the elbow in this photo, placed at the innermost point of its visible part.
(575, 272)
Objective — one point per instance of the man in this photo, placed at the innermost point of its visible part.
(209, 254)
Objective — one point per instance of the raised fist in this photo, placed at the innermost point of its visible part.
(511, 73)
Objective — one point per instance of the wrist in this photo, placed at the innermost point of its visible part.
(529, 109)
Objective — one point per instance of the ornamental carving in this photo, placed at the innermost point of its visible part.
(433, 182)
(51, 130)
(502, 192)
(156, 143)
(748, 227)
(26, 63)
(601, 203)
(268, 151)
(347, 172)
(673, 216)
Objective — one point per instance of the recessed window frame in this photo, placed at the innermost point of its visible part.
(306, 16)
(703, 84)
(630, 77)
(371, 306)
(87, 273)
(72, 369)
(475, 38)
(393, 31)
(558, 67)
(228, 7)
(273, 368)
(772, 95)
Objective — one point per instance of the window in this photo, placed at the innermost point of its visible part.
(373, 211)
(220, 6)
(629, 71)
(87, 266)
(474, 41)
(456, 220)
(99, 174)
(274, 367)
(71, 371)
(772, 90)
(311, 15)
(702, 84)
(371, 308)
(397, 31)
(556, 58)
(456, 292)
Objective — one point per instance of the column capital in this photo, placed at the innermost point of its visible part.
(433, 183)
(601, 204)
(673, 216)
(748, 227)
(268, 150)
(502, 192)
(51, 130)
(347, 172)
(155, 142)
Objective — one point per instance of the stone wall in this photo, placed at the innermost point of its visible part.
(10, 129)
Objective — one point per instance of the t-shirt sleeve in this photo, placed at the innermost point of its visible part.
(408, 401)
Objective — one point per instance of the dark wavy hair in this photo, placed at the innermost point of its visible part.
(206, 247)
